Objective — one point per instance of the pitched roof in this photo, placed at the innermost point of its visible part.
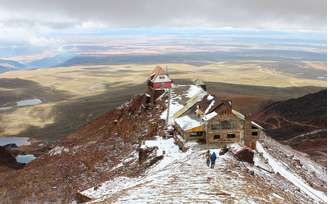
(195, 94)
(187, 122)
(257, 125)
(157, 71)
(211, 103)
(238, 114)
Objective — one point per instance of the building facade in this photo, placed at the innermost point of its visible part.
(216, 122)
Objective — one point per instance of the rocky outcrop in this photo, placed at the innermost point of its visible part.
(7, 159)
(87, 157)
(245, 155)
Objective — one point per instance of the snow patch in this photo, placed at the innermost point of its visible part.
(187, 123)
(210, 116)
(235, 148)
(58, 150)
(210, 97)
(194, 90)
(239, 115)
(109, 188)
(174, 107)
(282, 169)
(210, 106)
(120, 184)
(167, 147)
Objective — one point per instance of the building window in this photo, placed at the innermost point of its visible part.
(216, 137)
(254, 133)
(197, 134)
(215, 126)
(231, 135)
(226, 124)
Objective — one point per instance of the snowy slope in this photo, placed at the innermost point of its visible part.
(175, 106)
(280, 167)
(185, 178)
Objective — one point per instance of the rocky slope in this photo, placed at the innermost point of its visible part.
(300, 123)
(101, 161)
(84, 158)
(185, 178)
(7, 160)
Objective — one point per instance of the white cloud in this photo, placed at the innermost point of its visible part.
(54, 25)
(278, 14)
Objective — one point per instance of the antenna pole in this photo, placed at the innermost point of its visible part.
(168, 109)
(206, 132)
(169, 103)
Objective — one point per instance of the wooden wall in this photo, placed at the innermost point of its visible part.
(244, 132)
(223, 136)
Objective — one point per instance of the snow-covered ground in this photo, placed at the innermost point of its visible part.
(285, 170)
(186, 122)
(185, 178)
(58, 150)
(177, 103)
(175, 106)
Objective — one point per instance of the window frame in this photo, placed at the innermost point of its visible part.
(231, 135)
(255, 133)
(198, 134)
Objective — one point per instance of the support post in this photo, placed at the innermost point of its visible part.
(206, 134)
(168, 109)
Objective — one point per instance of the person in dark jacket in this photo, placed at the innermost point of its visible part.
(208, 158)
(213, 158)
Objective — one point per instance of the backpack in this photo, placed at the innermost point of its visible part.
(213, 156)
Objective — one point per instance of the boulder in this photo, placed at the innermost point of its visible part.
(10, 146)
(223, 150)
(245, 154)
(8, 160)
(148, 156)
(145, 152)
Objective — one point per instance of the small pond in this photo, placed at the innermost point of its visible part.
(26, 158)
(28, 102)
(5, 108)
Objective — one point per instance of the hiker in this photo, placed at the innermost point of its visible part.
(208, 158)
(213, 158)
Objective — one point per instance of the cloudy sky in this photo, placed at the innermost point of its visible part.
(46, 22)
(273, 14)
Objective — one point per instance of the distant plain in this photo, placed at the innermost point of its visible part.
(74, 95)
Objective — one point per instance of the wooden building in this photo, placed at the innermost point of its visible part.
(215, 121)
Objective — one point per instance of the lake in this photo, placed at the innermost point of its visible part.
(14, 140)
(5, 108)
(28, 102)
(25, 158)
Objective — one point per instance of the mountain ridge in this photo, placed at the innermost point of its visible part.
(300, 123)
